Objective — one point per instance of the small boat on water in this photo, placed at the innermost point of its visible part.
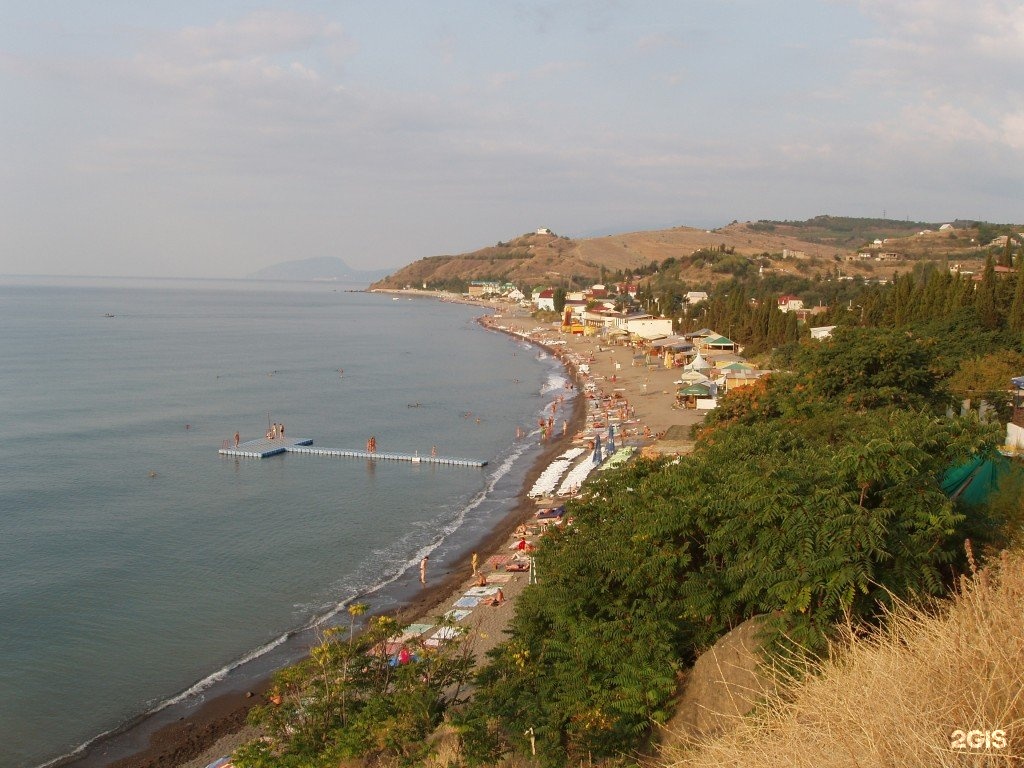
(107, 314)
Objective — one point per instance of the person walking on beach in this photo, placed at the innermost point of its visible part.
(475, 560)
(423, 569)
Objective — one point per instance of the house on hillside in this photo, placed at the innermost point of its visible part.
(545, 299)
(695, 297)
(790, 303)
(543, 231)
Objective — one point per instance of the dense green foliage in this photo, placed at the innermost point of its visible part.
(810, 499)
(349, 699)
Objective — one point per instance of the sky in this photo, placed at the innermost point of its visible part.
(212, 138)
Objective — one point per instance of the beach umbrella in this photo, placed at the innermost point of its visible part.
(597, 450)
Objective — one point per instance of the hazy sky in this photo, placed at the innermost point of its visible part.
(211, 138)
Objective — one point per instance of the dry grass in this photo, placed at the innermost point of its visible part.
(895, 697)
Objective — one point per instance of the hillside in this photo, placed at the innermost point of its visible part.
(815, 246)
(317, 268)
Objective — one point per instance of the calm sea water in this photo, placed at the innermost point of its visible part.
(135, 561)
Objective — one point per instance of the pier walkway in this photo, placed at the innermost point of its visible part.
(262, 448)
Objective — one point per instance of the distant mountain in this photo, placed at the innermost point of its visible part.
(319, 268)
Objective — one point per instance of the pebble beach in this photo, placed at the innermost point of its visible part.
(609, 388)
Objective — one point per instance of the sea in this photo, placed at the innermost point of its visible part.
(141, 571)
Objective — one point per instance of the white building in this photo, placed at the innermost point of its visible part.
(695, 297)
(650, 327)
(790, 303)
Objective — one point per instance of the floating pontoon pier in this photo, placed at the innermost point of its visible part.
(263, 447)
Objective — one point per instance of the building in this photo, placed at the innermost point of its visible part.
(649, 327)
(695, 297)
(545, 299)
(790, 303)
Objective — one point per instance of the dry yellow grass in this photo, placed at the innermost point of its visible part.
(898, 697)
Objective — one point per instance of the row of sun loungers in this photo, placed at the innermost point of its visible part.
(548, 480)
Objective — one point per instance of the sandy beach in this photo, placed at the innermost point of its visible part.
(611, 388)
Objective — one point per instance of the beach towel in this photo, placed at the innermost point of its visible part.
(500, 578)
(481, 591)
(443, 634)
(457, 614)
(497, 560)
(466, 602)
(413, 631)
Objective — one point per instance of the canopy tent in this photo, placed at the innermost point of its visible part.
(697, 364)
(688, 377)
(719, 342)
(695, 390)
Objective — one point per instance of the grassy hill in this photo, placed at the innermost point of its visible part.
(817, 247)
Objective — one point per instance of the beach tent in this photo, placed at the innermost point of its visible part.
(738, 366)
(689, 377)
(696, 390)
(697, 364)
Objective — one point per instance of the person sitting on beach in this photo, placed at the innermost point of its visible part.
(481, 579)
(499, 598)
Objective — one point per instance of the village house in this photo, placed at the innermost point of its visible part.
(695, 297)
(790, 303)
(544, 299)
(626, 289)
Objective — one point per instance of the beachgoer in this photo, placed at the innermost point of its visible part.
(423, 569)
(481, 580)
(433, 450)
(499, 598)
(521, 544)
(475, 560)
(404, 657)
(282, 429)
(237, 438)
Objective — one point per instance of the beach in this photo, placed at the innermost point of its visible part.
(608, 388)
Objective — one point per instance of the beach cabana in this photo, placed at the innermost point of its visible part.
(686, 397)
(719, 344)
(737, 366)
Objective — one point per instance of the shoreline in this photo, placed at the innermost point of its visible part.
(218, 725)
